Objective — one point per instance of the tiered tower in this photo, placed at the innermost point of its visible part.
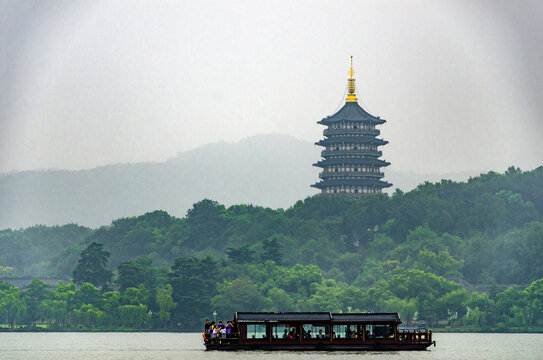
(351, 162)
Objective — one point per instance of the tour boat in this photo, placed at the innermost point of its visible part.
(319, 331)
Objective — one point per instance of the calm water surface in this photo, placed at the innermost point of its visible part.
(164, 346)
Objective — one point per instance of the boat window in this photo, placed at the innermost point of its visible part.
(311, 331)
(282, 331)
(345, 331)
(379, 331)
(256, 331)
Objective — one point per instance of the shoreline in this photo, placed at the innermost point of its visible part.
(533, 330)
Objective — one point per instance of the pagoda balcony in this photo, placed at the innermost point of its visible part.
(372, 153)
(351, 132)
(352, 174)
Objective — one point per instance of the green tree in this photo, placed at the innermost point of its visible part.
(88, 294)
(272, 249)
(194, 284)
(91, 267)
(12, 307)
(238, 295)
(241, 255)
(280, 301)
(136, 272)
(442, 263)
(135, 316)
(54, 312)
(534, 299)
(88, 316)
(165, 303)
(327, 297)
(35, 293)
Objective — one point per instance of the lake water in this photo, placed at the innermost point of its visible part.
(164, 346)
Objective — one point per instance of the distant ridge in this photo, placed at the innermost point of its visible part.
(270, 170)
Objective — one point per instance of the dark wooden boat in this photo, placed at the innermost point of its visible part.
(319, 331)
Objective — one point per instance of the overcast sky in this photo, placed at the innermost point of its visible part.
(89, 83)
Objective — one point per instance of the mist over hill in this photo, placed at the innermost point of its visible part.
(268, 170)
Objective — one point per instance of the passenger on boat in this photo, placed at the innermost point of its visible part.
(215, 333)
(285, 334)
(207, 327)
(320, 335)
(221, 324)
(333, 334)
(353, 335)
(228, 329)
(222, 332)
(292, 334)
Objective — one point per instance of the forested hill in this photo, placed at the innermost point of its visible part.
(260, 170)
(325, 253)
(487, 227)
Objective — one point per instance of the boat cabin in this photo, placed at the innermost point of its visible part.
(320, 331)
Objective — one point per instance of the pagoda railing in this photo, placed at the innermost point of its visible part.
(352, 174)
(369, 132)
(373, 153)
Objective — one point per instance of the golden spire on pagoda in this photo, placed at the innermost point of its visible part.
(351, 97)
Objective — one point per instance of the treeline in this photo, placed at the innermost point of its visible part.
(181, 297)
(374, 253)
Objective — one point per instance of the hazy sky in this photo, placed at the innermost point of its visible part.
(88, 83)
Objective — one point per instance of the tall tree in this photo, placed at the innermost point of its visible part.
(91, 267)
(165, 303)
(194, 284)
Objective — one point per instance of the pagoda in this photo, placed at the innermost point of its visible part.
(351, 163)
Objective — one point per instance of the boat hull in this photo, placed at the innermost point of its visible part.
(322, 347)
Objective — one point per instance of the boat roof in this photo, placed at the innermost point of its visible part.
(366, 317)
(260, 317)
(281, 316)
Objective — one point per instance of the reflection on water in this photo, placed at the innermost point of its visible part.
(164, 346)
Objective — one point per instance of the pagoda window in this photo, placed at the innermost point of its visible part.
(355, 169)
(355, 127)
(336, 169)
(356, 191)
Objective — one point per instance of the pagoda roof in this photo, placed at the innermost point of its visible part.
(351, 139)
(352, 160)
(351, 111)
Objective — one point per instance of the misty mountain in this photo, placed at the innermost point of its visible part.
(267, 170)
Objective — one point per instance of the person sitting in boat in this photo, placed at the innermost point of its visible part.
(348, 332)
(215, 333)
(308, 335)
(320, 335)
(353, 335)
(333, 334)
(228, 329)
(285, 334)
(292, 334)
(222, 332)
